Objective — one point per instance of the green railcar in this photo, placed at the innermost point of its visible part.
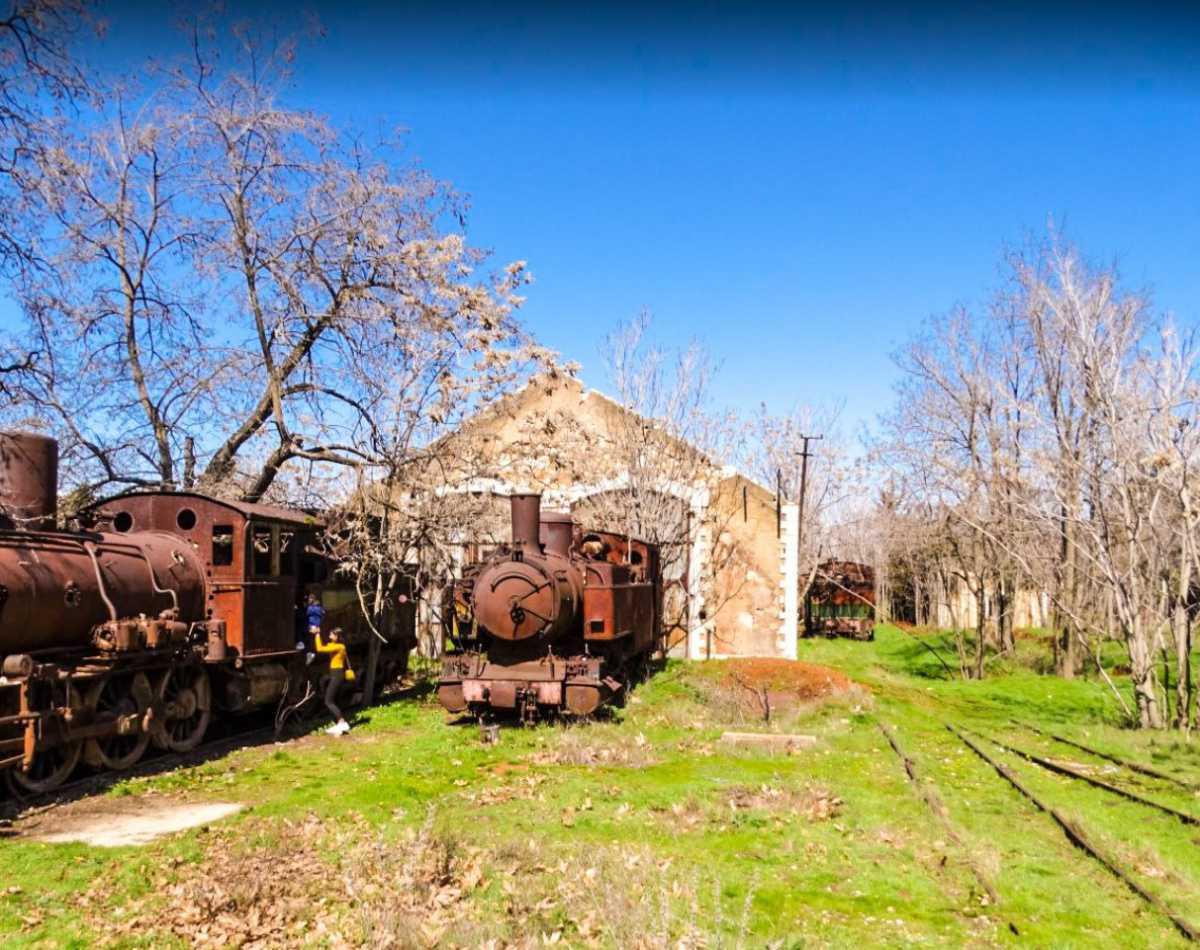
(841, 601)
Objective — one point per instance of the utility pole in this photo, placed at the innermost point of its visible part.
(805, 454)
(804, 457)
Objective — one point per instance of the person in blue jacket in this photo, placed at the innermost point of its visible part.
(314, 615)
(314, 618)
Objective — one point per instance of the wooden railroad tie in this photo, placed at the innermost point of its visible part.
(1076, 834)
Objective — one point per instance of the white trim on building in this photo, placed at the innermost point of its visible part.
(789, 571)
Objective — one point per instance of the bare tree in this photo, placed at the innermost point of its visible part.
(235, 286)
(1174, 451)
(772, 454)
(947, 437)
(39, 77)
(671, 446)
(125, 358)
(1052, 443)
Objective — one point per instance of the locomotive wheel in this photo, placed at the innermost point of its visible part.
(122, 695)
(52, 766)
(186, 696)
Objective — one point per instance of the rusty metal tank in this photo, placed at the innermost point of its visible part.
(556, 532)
(28, 480)
(529, 593)
(56, 587)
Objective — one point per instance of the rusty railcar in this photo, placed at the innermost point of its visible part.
(559, 621)
(841, 601)
(170, 609)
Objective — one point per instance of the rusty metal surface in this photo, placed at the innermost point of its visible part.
(248, 510)
(527, 593)
(841, 601)
(58, 587)
(577, 684)
(556, 532)
(182, 609)
(555, 626)
(615, 606)
(537, 596)
(250, 552)
(28, 480)
(526, 521)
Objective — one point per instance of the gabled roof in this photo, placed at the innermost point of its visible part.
(541, 387)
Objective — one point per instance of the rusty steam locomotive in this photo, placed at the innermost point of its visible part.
(557, 622)
(170, 610)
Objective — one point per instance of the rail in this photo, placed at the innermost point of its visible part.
(1079, 837)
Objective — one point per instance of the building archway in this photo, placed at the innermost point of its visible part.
(665, 520)
(670, 514)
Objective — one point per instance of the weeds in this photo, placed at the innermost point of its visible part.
(597, 744)
(641, 831)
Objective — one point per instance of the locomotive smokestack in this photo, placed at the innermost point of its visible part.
(526, 516)
(28, 480)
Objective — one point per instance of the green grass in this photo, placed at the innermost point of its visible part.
(554, 840)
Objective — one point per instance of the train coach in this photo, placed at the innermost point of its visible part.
(841, 601)
(168, 610)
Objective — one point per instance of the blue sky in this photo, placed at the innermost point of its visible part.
(796, 189)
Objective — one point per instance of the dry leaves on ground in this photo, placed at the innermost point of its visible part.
(274, 884)
(343, 883)
(598, 746)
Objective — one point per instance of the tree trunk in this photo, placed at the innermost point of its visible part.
(1005, 597)
(189, 463)
(1166, 683)
(1066, 650)
(1145, 683)
(980, 629)
(1181, 628)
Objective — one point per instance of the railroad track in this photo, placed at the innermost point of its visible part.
(1078, 835)
(1115, 759)
(25, 806)
(1066, 771)
(928, 793)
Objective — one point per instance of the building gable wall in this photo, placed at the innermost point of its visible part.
(564, 441)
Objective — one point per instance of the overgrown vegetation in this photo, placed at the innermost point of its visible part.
(645, 830)
(1040, 462)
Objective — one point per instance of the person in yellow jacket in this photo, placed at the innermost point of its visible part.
(339, 673)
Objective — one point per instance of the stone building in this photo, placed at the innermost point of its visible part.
(954, 606)
(729, 547)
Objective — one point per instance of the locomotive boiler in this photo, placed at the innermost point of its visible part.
(559, 621)
(170, 610)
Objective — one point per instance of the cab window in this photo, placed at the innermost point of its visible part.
(222, 545)
(263, 552)
(287, 553)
